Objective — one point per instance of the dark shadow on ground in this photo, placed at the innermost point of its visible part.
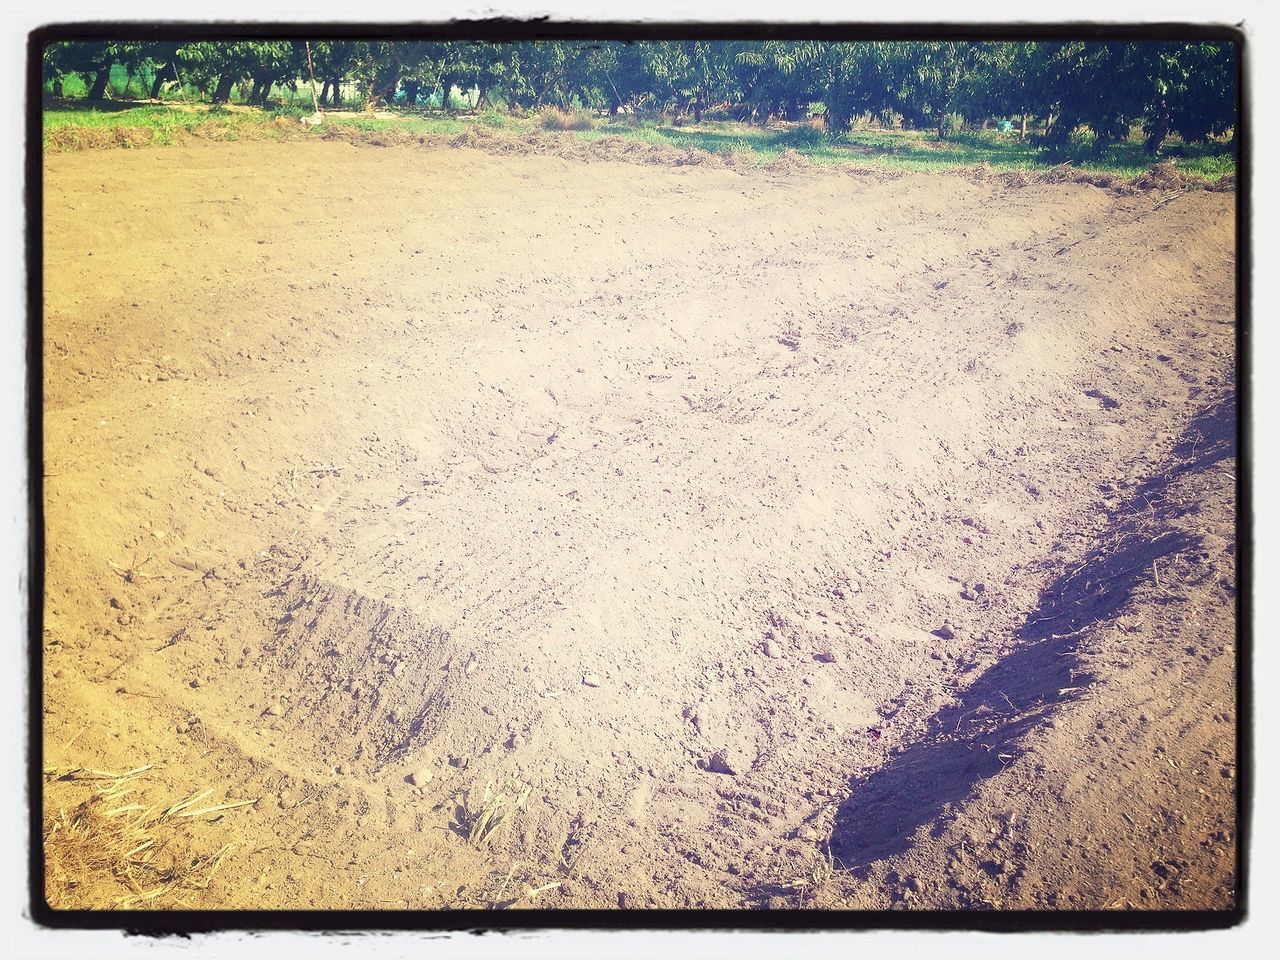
(975, 738)
(97, 106)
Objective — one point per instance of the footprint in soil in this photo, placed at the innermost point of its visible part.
(1108, 403)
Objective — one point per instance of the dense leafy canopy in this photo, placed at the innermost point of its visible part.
(1168, 88)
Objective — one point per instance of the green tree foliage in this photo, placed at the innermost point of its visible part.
(92, 62)
(1061, 87)
(1190, 91)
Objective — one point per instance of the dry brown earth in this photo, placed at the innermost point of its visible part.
(377, 476)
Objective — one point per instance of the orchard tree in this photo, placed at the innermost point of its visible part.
(928, 78)
(859, 78)
(333, 62)
(89, 60)
(618, 71)
(1099, 84)
(1192, 91)
(218, 65)
(275, 62)
(782, 76)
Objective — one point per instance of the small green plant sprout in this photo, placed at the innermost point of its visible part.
(496, 810)
(810, 886)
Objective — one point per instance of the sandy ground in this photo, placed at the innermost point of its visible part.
(792, 538)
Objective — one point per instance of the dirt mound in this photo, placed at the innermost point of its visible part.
(789, 163)
(678, 523)
(1010, 179)
(1166, 176)
(1066, 173)
(361, 680)
(618, 148)
(479, 137)
(693, 157)
(1161, 176)
(1016, 179)
(94, 138)
(568, 147)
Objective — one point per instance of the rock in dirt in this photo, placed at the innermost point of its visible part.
(420, 777)
(946, 632)
(719, 763)
(591, 680)
(772, 649)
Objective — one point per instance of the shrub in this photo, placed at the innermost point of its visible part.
(804, 136)
(552, 118)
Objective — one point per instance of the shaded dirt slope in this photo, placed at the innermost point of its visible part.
(746, 518)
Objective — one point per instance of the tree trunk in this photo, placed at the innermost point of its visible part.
(446, 91)
(697, 106)
(411, 88)
(839, 116)
(99, 89)
(1022, 133)
(222, 92)
(1158, 132)
(385, 94)
(335, 92)
(57, 87)
(158, 83)
(1057, 135)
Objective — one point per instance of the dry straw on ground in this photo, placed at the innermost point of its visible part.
(116, 850)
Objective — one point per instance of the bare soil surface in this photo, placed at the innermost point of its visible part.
(785, 538)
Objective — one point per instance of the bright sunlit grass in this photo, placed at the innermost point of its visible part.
(111, 123)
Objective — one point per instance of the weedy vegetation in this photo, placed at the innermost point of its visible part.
(497, 808)
(111, 848)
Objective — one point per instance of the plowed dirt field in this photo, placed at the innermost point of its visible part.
(765, 538)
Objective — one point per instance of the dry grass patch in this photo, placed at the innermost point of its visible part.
(112, 852)
(499, 805)
(554, 119)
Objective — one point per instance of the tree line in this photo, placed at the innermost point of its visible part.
(1186, 89)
